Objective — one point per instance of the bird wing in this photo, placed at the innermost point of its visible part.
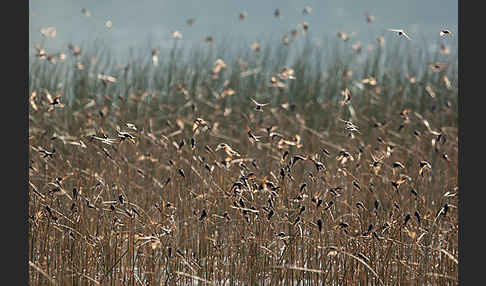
(406, 36)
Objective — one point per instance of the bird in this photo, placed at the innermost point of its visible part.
(47, 154)
(109, 24)
(370, 18)
(243, 15)
(305, 27)
(347, 97)
(121, 199)
(252, 137)
(190, 21)
(444, 50)
(259, 106)
(350, 125)
(255, 47)
(54, 101)
(307, 10)
(437, 66)
(344, 36)
(209, 40)
(400, 32)
(423, 164)
(229, 151)
(125, 135)
(181, 172)
(176, 35)
(445, 33)
(397, 164)
(86, 12)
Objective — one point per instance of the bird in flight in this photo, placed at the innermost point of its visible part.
(400, 32)
(370, 18)
(190, 21)
(259, 106)
(243, 15)
(307, 10)
(445, 33)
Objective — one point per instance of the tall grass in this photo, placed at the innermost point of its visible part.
(253, 221)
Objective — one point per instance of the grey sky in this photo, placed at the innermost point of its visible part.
(134, 22)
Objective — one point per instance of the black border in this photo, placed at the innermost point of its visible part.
(463, 99)
(15, 64)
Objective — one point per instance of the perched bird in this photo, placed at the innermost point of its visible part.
(276, 14)
(400, 32)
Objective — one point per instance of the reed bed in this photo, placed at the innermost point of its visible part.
(273, 166)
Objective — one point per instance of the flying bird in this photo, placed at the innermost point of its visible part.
(209, 40)
(190, 21)
(86, 12)
(344, 36)
(400, 32)
(370, 18)
(109, 24)
(307, 10)
(252, 137)
(243, 15)
(259, 106)
(437, 66)
(347, 97)
(176, 35)
(444, 50)
(445, 33)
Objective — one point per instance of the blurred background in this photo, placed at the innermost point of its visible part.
(122, 25)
